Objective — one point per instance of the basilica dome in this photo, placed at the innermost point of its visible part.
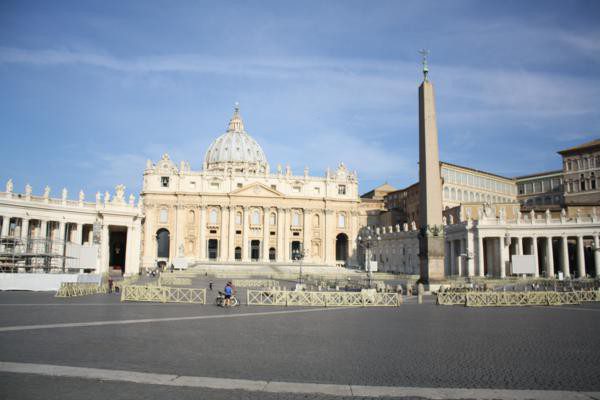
(235, 150)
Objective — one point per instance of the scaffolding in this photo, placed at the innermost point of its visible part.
(33, 254)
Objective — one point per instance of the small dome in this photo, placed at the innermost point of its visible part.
(235, 149)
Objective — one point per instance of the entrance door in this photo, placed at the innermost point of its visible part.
(117, 247)
(213, 249)
(255, 250)
(296, 248)
(272, 254)
(341, 247)
(163, 243)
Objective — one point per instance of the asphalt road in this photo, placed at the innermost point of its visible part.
(547, 348)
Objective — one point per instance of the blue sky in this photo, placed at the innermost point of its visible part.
(90, 90)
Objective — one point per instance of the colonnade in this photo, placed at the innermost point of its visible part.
(481, 255)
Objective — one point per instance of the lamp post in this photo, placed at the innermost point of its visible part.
(366, 244)
(298, 254)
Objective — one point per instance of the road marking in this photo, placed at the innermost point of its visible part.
(289, 387)
(169, 319)
(574, 308)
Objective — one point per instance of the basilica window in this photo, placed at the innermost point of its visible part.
(273, 219)
(255, 218)
(295, 219)
(342, 189)
(316, 221)
(341, 220)
(164, 181)
(317, 190)
(191, 216)
(238, 218)
(214, 185)
(163, 216)
(296, 189)
(213, 216)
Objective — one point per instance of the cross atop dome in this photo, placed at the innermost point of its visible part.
(236, 124)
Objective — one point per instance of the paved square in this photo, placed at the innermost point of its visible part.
(426, 350)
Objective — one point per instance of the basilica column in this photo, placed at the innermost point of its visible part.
(549, 258)
(202, 235)
(280, 229)
(597, 254)
(179, 231)
(286, 234)
(329, 237)
(245, 231)
(580, 258)
(534, 252)
(565, 257)
(266, 230)
(230, 248)
(223, 249)
(480, 259)
(306, 234)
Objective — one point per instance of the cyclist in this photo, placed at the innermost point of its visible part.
(228, 293)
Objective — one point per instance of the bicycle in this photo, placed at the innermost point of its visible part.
(220, 300)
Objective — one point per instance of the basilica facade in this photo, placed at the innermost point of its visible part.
(237, 210)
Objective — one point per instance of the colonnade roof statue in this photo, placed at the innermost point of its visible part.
(236, 149)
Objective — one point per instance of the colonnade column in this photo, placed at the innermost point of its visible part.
(503, 257)
(452, 258)
(266, 230)
(580, 257)
(43, 229)
(520, 246)
(129, 254)
(223, 240)
(280, 228)
(597, 254)
(149, 238)
(534, 252)
(480, 259)
(470, 255)
(5, 225)
(79, 234)
(565, 257)
(245, 247)
(61, 231)
(202, 236)
(549, 258)
(306, 234)
(24, 228)
(104, 249)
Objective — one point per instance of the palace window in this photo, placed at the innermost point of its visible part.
(342, 189)
(164, 181)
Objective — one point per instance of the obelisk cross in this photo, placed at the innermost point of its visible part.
(424, 53)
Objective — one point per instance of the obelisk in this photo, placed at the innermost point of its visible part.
(431, 229)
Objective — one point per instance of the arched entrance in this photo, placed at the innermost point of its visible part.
(341, 247)
(255, 250)
(213, 249)
(238, 253)
(296, 248)
(272, 254)
(163, 242)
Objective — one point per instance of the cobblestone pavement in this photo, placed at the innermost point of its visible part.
(550, 348)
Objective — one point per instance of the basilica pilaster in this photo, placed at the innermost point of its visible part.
(280, 233)
(223, 240)
(286, 234)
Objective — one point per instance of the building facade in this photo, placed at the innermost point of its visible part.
(542, 190)
(236, 210)
(45, 234)
(581, 169)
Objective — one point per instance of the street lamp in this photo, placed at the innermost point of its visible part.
(298, 254)
(366, 244)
